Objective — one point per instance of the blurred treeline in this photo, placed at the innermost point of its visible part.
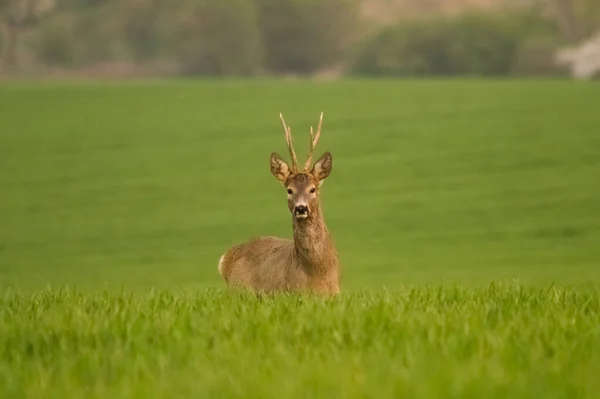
(255, 37)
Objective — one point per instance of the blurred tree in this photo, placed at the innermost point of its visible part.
(469, 44)
(570, 26)
(216, 37)
(589, 11)
(143, 27)
(303, 36)
(15, 16)
(578, 19)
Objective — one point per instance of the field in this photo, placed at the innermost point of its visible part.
(466, 214)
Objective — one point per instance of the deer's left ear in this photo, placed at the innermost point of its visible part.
(323, 166)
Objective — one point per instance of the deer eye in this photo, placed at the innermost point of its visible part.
(312, 190)
(289, 191)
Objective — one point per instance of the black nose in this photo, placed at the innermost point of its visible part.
(300, 209)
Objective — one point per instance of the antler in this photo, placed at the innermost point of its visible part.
(314, 139)
(290, 144)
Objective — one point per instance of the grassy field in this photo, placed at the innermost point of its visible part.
(502, 342)
(107, 185)
(439, 189)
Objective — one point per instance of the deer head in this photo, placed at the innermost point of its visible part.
(302, 185)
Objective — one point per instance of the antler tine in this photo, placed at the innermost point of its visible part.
(290, 144)
(313, 142)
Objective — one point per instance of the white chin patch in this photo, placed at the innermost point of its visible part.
(301, 215)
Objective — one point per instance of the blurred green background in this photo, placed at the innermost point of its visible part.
(146, 184)
(322, 38)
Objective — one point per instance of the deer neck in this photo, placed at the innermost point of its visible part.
(312, 242)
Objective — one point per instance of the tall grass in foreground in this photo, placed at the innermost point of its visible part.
(432, 341)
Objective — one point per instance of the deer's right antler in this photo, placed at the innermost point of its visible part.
(290, 144)
(314, 139)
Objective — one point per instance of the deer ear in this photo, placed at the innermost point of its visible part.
(279, 168)
(322, 167)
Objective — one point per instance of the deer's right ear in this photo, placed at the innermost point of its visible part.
(279, 168)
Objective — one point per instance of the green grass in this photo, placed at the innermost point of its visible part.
(426, 342)
(439, 188)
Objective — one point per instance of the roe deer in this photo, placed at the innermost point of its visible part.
(309, 262)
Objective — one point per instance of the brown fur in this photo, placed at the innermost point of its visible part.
(309, 262)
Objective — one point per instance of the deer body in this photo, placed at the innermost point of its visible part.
(309, 262)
